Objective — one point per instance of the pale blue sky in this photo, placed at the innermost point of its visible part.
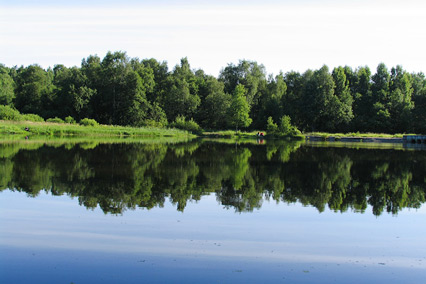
(282, 35)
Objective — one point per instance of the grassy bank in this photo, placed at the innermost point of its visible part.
(326, 135)
(27, 128)
(229, 134)
(248, 135)
(321, 135)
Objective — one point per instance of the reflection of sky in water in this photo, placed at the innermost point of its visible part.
(54, 238)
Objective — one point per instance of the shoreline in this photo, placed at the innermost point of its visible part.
(355, 139)
(419, 140)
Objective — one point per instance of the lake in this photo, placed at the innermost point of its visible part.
(211, 211)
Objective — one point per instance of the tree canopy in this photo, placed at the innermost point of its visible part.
(120, 90)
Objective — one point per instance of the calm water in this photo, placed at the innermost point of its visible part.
(211, 212)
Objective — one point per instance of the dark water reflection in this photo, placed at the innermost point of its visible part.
(119, 177)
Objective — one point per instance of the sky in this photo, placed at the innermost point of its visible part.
(282, 35)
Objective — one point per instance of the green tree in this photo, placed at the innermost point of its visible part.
(380, 119)
(400, 100)
(247, 73)
(239, 109)
(34, 90)
(7, 86)
(120, 91)
(114, 70)
(322, 106)
(91, 69)
(363, 99)
(419, 100)
(271, 126)
(271, 102)
(285, 126)
(154, 76)
(161, 75)
(72, 93)
(181, 97)
(132, 105)
(253, 77)
(343, 106)
(215, 104)
(293, 101)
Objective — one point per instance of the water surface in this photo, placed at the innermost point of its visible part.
(211, 212)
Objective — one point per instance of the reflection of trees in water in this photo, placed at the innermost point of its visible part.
(117, 177)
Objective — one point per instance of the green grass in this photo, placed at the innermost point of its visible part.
(74, 130)
(231, 134)
(249, 135)
(61, 129)
(355, 134)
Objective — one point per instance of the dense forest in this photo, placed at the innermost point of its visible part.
(120, 90)
(118, 177)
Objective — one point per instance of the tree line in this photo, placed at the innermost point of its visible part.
(120, 90)
(147, 175)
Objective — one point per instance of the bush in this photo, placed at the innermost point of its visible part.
(285, 125)
(189, 125)
(55, 120)
(70, 120)
(32, 117)
(192, 126)
(271, 127)
(154, 123)
(284, 129)
(88, 122)
(8, 113)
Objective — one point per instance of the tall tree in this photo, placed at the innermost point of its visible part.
(419, 100)
(120, 91)
(320, 101)
(253, 77)
(160, 74)
(400, 101)
(72, 92)
(153, 75)
(215, 104)
(7, 86)
(34, 90)
(181, 98)
(381, 97)
(343, 103)
(363, 99)
(239, 109)
(292, 101)
(271, 102)
(247, 73)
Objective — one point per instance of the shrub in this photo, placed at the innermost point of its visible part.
(154, 123)
(271, 127)
(32, 117)
(284, 129)
(189, 125)
(55, 120)
(192, 126)
(70, 120)
(285, 125)
(88, 122)
(8, 113)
